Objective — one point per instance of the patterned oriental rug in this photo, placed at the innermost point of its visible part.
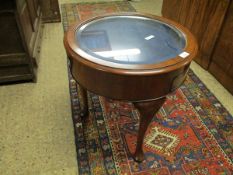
(194, 134)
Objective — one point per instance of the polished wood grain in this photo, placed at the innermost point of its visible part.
(222, 59)
(203, 18)
(212, 23)
(144, 85)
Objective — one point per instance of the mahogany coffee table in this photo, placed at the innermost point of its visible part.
(132, 57)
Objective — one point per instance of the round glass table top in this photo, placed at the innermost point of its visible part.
(130, 40)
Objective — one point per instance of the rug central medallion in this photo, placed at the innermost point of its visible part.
(161, 141)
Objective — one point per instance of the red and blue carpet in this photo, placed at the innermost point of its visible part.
(194, 134)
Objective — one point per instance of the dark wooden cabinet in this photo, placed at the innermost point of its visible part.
(203, 18)
(221, 65)
(20, 34)
(50, 10)
(211, 22)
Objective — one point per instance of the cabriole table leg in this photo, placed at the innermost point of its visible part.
(147, 111)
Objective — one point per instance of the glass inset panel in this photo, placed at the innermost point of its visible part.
(130, 40)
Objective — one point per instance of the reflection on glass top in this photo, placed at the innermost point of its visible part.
(130, 40)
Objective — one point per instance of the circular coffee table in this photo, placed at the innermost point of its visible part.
(132, 57)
